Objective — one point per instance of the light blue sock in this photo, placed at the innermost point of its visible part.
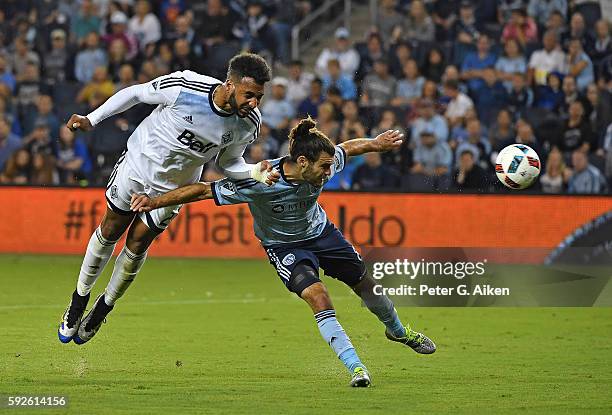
(334, 335)
(383, 308)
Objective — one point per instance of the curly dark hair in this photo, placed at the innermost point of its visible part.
(251, 66)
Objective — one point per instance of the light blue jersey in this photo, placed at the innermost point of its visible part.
(283, 213)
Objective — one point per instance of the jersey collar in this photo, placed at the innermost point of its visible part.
(214, 106)
(282, 172)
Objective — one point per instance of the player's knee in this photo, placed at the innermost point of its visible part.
(365, 285)
(139, 237)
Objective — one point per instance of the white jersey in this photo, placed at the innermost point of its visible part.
(186, 130)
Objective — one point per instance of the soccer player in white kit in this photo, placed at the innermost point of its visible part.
(197, 119)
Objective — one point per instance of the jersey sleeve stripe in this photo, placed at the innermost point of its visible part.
(196, 83)
(194, 88)
(213, 188)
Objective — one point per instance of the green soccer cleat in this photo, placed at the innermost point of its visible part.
(419, 342)
(361, 378)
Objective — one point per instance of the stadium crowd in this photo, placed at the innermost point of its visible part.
(461, 79)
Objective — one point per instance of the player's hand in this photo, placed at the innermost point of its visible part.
(79, 122)
(141, 203)
(273, 174)
(389, 140)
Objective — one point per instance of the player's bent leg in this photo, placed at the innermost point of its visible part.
(127, 265)
(383, 308)
(99, 250)
(317, 297)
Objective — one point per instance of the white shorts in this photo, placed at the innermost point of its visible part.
(122, 184)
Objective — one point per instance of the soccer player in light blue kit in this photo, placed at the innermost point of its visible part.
(298, 237)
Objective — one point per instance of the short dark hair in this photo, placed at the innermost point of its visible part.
(306, 140)
(249, 65)
(296, 62)
(451, 84)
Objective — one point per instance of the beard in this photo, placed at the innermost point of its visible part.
(239, 111)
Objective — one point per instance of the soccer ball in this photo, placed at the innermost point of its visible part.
(517, 166)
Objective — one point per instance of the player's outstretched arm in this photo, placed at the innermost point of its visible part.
(186, 194)
(389, 140)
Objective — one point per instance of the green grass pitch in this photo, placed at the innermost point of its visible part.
(225, 337)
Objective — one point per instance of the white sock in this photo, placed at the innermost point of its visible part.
(127, 266)
(99, 251)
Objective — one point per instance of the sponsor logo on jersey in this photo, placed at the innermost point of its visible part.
(188, 138)
(226, 138)
(188, 118)
(288, 259)
(113, 192)
(228, 188)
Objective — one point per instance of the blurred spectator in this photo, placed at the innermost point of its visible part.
(373, 175)
(118, 30)
(334, 98)
(39, 140)
(351, 124)
(602, 44)
(579, 65)
(125, 77)
(6, 76)
(259, 36)
(512, 62)
(277, 110)
(388, 20)
(144, 25)
(184, 59)
(343, 52)
(419, 26)
(183, 30)
(399, 159)
(42, 172)
(41, 113)
(398, 56)
(172, 9)
(502, 131)
(550, 97)
(432, 159)
(217, 24)
(520, 28)
(490, 98)
(409, 88)
(98, 90)
(28, 89)
(255, 153)
(576, 134)
(599, 112)
(71, 158)
(541, 10)
(315, 97)
(22, 57)
(89, 59)
(459, 102)
(9, 142)
(299, 83)
(505, 9)
(268, 143)
(374, 51)
(476, 140)
(17, 170)
(378, 87)
(327, 122)
(570, 94)
(606, 152)
(556, 175)
(525, 135)
(85, 22)
(434, 65)
(577, 30)
(469, 175)
(556, 24)
(430, 122)
(544, 61)
(586, 178)
(164, 58)
(335, 77)
(474, 64)
(55, 61)
(466, 29)
(117, 57)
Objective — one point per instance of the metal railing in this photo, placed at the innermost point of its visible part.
(298, 45)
